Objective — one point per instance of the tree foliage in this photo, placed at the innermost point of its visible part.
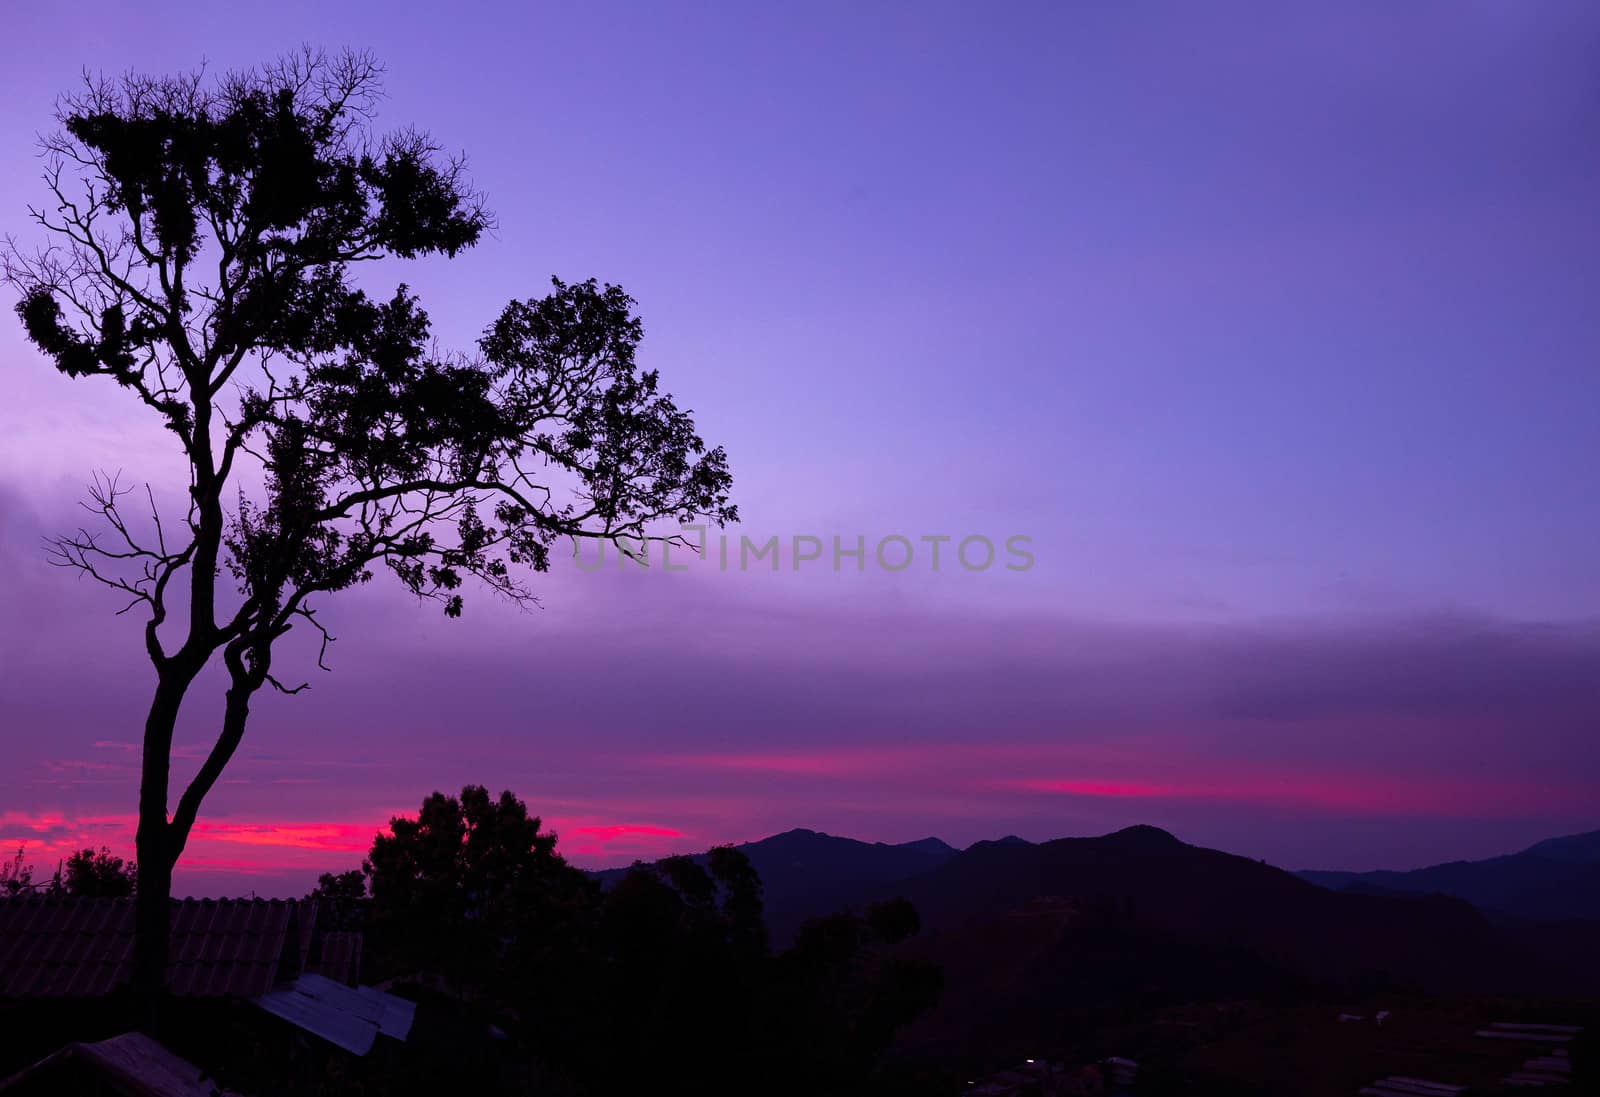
(16, 874)
(471, 889)
(208, 265)
(86, 874)
(472, 895)
(97, 873)
(341, 900)
(204, 243)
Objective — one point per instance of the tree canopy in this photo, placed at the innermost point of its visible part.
(86, 874)
(206, 261)
(211, 247)
(99, 873)
(471, 889)
(670, 962)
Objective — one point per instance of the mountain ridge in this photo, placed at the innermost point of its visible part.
(1147, 877)
(1557, 879)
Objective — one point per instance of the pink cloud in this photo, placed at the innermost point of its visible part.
(337, 837)
(619, 843)
(220, 847)
(617, 831)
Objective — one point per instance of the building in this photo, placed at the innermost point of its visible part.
(264, 952)
(130, 1065)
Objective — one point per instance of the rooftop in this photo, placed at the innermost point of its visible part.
(131, 1064)
(53, 947)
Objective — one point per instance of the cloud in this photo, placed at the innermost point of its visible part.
(1360, 795)
(715, 707)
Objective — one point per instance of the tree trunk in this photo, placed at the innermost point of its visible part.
(152, 932)
(153, 897)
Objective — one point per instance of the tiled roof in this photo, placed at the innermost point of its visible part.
(73, 948)
(133, 1064)
(337, 956)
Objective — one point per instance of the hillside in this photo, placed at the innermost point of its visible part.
(1144, 882)
(1046, 979)
(806, 872)
(1557, 879)
(1223, 901)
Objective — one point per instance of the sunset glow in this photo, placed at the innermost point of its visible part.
(1291, 393)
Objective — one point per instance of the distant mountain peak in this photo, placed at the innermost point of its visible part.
(1556, 880)
(930, 844)
(1145, 836)
(1579, 849)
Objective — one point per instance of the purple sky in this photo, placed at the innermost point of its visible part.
(1274, 330)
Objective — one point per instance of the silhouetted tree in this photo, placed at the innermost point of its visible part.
(670, 963)
(677, 961)
(341, 899)
(343, 887)
(93, 874)
(840, 993)
(742, 907)
(893, 920)
(201, 242)
(470, 888)
(16, 875)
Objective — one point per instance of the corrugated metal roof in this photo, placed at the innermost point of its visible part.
(341, 1029)
(346, 1017)
(72, 948)
(397, 1014)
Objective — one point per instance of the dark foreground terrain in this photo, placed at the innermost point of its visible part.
(807, 963)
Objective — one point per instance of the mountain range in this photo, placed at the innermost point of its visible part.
(1554, 880)
(1176, 896)
(805, 873)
